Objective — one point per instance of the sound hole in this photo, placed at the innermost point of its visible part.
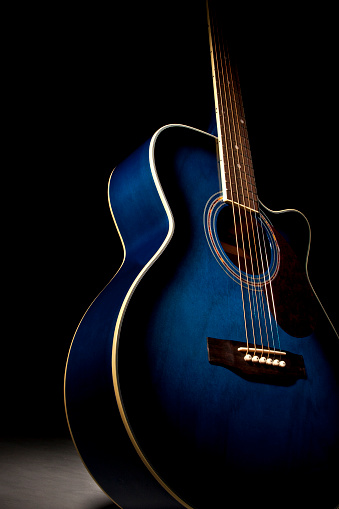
(244, 239)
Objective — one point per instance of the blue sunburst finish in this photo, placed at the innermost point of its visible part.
(155, 423)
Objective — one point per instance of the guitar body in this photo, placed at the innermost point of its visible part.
(158, 421)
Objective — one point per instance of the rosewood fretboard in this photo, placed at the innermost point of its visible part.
(237, 176)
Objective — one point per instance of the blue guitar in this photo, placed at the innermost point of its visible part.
(205, 374)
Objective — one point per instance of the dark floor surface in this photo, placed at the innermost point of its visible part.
(46, 474)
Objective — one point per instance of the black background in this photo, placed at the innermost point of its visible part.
(87, 85)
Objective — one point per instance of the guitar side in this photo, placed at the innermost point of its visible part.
(155, 423)
(92, 409)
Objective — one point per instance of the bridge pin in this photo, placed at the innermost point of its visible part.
(276, 362)
(269, 361)
(262, 360)
(282, 364)
(248, 357)
(255, 359)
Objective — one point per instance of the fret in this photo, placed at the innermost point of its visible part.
(240, 186)
(235, 162)
(242, 195)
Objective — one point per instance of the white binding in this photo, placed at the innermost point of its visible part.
(129, 295)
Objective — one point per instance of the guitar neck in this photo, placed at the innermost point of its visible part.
(235, 161)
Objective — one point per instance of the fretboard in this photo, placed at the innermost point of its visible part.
(235, 161)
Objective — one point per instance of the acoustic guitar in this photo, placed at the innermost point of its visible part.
(205, 374)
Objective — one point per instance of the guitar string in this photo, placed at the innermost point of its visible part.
(263, 243)
(263, 260)
(226, 109)
(218, 98)
(262, 249)
(226, 113)
(257, 239)
(254, 228)
(259, 227)
(239, 152)
(274, 309)
(260, 305)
